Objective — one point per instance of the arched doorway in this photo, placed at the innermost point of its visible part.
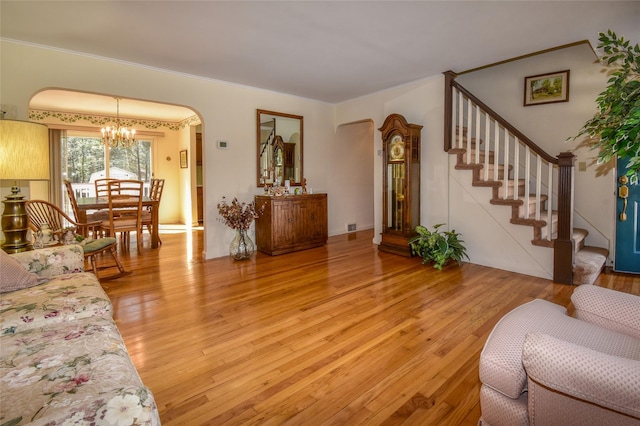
(354, 145)
(164, 130)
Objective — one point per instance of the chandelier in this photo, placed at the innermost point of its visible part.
(118, 136)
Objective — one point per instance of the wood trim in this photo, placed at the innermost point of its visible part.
(449, 77)
(529, 55)
(563, 247)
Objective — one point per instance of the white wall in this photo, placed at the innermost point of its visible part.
(351, 177)
(420, 102)
(228, 113)
(166, 166)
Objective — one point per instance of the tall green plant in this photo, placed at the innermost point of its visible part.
(615, 128)
(438, 246)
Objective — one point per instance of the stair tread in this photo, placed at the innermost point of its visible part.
(520, 201)
(544, 216)
(588, 263)
(578, 235)
(588, 251)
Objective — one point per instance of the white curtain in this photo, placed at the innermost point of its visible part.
(55, 165)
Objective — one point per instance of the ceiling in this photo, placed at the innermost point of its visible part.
(330, 51)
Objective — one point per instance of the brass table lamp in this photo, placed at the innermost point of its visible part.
(24, 155)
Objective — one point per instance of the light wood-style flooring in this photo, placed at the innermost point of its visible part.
(338, 335)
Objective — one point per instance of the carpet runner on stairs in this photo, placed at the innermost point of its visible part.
(588, 264)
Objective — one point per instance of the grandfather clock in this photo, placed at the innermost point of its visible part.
(401, 184)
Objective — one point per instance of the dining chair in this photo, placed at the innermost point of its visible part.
(125, 210)
(93, 216)
(155, 193)
(41, 213)
(101, 186)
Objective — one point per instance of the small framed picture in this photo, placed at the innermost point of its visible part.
(183, 159)
(546, 88)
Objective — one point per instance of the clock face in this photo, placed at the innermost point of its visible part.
(396, 148)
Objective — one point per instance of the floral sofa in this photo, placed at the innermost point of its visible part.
(62, 359)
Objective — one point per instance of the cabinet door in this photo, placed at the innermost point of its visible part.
(264, 230)
(283, 224)
(317, 219)
(302, 221)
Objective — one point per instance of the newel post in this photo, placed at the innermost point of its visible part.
(449, 76)
(563, 253)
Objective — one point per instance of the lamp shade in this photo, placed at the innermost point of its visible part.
(24, 150)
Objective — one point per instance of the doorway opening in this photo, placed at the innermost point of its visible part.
(75, 120)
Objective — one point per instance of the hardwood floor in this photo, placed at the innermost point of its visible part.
(338, 335)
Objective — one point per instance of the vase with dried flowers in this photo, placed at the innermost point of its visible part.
(239, 216)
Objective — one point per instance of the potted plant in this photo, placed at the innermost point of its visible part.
(437, 246)
(615, 128)
(239, 216)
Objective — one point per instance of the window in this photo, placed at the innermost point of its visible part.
(84, 159)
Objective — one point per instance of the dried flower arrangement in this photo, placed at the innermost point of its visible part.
(238, 215)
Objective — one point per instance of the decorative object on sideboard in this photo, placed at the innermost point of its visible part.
(239, 216)
(25, 156)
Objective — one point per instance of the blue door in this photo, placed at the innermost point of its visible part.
(627, 257)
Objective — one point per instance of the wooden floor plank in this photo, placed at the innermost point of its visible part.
(340, 334)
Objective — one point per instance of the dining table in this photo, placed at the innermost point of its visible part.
(99, 203)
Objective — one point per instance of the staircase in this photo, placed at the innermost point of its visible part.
(534, 185)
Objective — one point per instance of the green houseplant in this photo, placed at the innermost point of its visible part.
(438, 246)
(615, 128)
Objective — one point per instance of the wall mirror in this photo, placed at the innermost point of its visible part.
(279, 148)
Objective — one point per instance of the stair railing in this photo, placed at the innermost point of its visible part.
(269, 140)
(467, 121)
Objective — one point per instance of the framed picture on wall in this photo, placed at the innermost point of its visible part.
(183, 159)
(546, 88)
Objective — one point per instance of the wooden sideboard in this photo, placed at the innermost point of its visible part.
(291, 223)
